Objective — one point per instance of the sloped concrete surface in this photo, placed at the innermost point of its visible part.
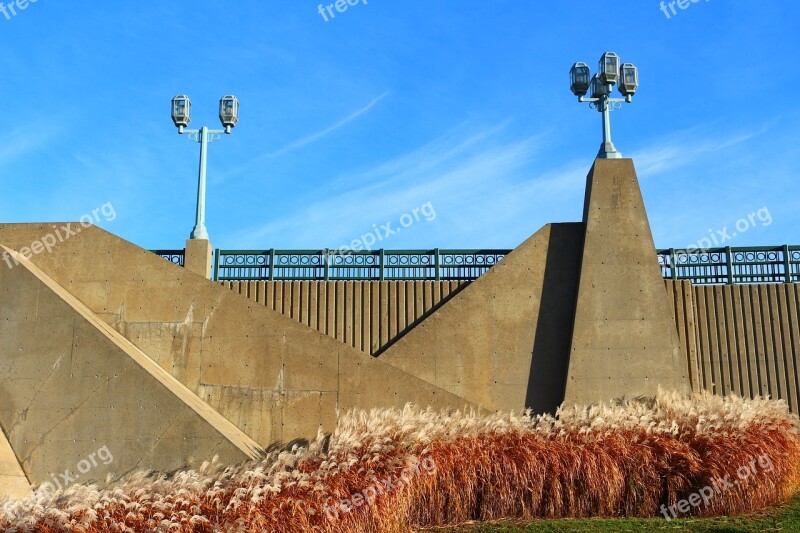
(274, 378)
(501, 342)
(70, 385)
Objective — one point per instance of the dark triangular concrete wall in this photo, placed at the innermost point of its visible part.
(502, 341)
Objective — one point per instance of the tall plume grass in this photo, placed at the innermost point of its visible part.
(625, 459)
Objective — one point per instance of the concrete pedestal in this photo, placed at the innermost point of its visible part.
(624, 341)
(199, 253)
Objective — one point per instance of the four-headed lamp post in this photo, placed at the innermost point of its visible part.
(602, 83)
(181, 116)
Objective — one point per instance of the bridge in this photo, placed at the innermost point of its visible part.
(99, 333)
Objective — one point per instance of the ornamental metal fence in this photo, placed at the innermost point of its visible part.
(173, 256)
(766, 264)
(436, 264)
(758, 264)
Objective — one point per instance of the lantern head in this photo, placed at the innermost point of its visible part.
(181, 111)
(608, 68)
(579, 79)
(229, 111)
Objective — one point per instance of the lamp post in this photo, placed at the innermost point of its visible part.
(181, 116)
(609, 73)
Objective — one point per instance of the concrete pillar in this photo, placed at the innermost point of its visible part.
(624, 339)
(198, 257)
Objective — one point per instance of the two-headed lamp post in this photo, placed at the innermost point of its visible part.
(609, 73)
(181, 116)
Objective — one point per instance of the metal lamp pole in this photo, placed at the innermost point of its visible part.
(181, 115)
(204, 136)
(602, 84)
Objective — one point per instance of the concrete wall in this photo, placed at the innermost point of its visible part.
(274, 378)
(681, 295)
(367, 315)
(722, 309)
(746, 340)
(70, 385)
(13, 481)
(266, 366)
(499, 341)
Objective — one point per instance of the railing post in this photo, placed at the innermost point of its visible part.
(729, 264)
(787, 265)
(673, 266)
(327, 270)
(216, 264)
(272, 264)
(381, 259)
(437, 272)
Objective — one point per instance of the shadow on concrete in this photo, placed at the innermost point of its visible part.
(550, 355)
(421, 319)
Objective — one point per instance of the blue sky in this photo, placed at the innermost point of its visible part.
(353, 122)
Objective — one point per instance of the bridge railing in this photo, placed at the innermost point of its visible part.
(758, 264)
(761, 264)
(173, 256)
(435, 264)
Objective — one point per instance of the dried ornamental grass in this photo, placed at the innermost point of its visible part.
(626, 459)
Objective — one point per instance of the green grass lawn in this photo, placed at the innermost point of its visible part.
(784, 518)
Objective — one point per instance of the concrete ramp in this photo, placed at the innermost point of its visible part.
(501, 341)
(77, 398)
(274, 378)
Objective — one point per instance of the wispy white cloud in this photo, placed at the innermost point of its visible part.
(25, 139)
(715, 176)
(686, 148)
(487, 188)
(490, 188)
(308, 139)
(460, 142)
